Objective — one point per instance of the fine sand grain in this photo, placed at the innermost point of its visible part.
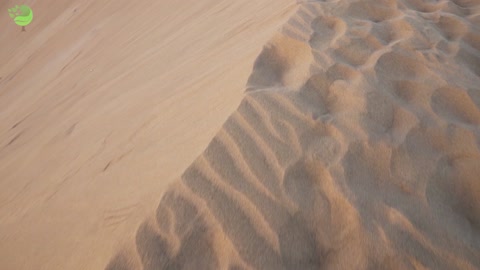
(356, 146)
(355, 143)
(102, 104)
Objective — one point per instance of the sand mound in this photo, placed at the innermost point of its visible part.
(100, 99)
(355, 147)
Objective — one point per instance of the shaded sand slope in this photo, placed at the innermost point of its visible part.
(356, 146)
(98, 100)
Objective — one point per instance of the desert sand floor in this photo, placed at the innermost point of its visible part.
(356, 146)
(102, 105)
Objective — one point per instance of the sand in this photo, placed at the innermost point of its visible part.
(99, 100)
(355, 143)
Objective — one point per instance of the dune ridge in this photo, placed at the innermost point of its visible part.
(356, 146)
(99, 100)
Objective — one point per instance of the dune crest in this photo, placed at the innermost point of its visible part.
(356, 146)
(99, 100)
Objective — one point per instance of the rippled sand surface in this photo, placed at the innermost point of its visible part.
(356, 146)
(346, 135)
(103, 104)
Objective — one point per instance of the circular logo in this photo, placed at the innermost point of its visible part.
(22, 15)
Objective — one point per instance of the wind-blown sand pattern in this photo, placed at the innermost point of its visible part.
(99, 99)
(356, 146)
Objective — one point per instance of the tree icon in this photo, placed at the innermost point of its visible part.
(22, 15)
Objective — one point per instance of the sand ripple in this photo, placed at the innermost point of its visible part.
(356, 147)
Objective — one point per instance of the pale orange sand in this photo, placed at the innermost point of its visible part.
(355, 146)
(102, 104)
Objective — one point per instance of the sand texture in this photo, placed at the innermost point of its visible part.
(99, 99)
(346, 135)
(356, 146)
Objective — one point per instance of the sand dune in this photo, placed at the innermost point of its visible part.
(356, 146)
(101, 99)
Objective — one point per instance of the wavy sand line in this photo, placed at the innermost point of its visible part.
(355, 147)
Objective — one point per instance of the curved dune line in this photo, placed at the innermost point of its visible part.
(293, 181)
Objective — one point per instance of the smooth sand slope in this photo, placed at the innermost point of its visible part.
(102, 104)
(356, 146)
